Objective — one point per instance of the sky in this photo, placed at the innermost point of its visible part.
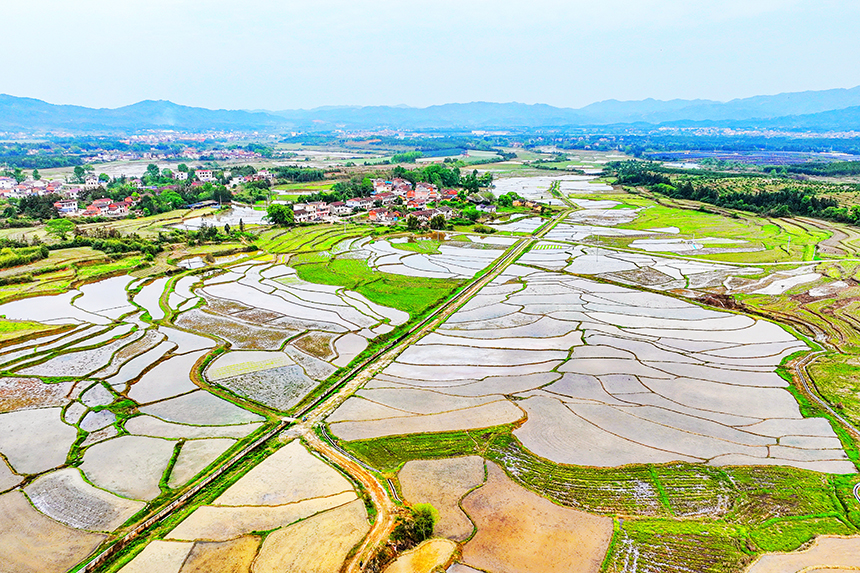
(284, 54)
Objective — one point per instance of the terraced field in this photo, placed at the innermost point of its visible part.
(586, 410)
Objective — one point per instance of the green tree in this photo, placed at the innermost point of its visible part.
(182, 167)
(438, 222)
(412, 223)
(281, 215)
(18, 174)
(59, 228)
(471, 213)
(173, 198)
(425, 516)
(79, 173)
(36, 175)
(104, 177)
(152, 171)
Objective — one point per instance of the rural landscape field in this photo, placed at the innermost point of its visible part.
(314, 319)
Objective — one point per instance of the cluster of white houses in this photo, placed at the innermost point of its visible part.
(385, 194)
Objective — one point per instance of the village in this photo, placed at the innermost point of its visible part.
(389, 201)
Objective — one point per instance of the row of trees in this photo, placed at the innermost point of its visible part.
(784, 202)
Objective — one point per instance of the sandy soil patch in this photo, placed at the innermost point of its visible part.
(827, 553)
(130, 466)
(27, 393)
(317, 344)
(33, 543)
(218, 523)
(8, 479)
(290, 474)
(425, 558)
(234, 556)
(159, 557)
(442, 483)
(194, 456)
(66, 497)
(35, 440)
(548, 537)
(316, 545)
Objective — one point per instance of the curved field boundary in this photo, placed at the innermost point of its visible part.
(98, 560)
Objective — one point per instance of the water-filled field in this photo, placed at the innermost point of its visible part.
(605, 376)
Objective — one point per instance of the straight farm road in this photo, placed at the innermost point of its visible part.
(387, 509)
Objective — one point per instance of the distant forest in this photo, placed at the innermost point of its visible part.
(787, 201)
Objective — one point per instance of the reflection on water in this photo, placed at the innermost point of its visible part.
(227, 217)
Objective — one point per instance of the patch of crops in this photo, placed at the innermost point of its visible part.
(388, 453)
(661, 546)
(626, 490)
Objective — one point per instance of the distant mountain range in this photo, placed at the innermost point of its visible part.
(836, 109)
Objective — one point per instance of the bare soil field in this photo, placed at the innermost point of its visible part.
(160, 557)
(33, 543)
(521, 532)
(220, 523)
(290, 474)
(425, 558)
(234, 556)
(442, 483)
(316, 545)
(827, 553)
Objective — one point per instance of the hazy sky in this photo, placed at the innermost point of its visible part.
(282, 54)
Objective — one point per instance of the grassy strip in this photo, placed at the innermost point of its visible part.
(389, 453)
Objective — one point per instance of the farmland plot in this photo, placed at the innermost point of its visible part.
(452, 261)
(442, 483)
(60, 410)
(267, 307)
(621, 377)
(519, 531)
(635, 269)
(311, 511)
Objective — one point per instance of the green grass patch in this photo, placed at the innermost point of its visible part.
(410, 294)
(837, 379)
(678, 546)
(388, 453)
(790, 534)
(426, 246)
(14, 329)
